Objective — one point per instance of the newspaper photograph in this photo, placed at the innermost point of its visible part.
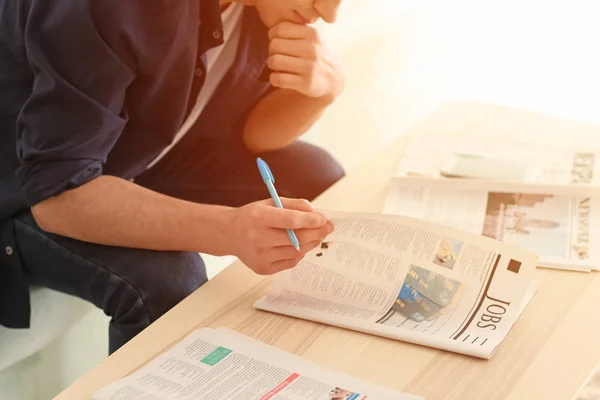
(425, 296)
(556, 222)
(220, 364)
(409, 280)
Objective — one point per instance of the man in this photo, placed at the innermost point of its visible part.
(130, 130)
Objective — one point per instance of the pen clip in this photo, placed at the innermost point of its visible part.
(265, 171)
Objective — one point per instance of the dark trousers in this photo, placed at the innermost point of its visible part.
(135, 287)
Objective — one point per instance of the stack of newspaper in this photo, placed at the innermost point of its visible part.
(223, 364)
(544, 199)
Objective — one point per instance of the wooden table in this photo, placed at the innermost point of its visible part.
(548, 355)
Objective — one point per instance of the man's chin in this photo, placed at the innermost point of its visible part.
(271, 21)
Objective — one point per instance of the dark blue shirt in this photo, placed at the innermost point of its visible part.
(93, 87)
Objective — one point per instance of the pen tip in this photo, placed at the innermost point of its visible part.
(297, 247)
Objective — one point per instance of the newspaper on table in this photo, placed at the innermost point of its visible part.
(223, 364)
(433, 157)
(409, 280)
(559, 223)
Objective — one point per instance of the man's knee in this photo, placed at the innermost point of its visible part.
(328, 171)
(182, 274)
(166, 279)
(315, 170)
(154, 283)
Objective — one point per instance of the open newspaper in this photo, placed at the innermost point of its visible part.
(409, 280)
(559, 223)
(222, 364)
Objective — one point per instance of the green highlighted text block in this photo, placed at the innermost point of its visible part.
(217, 355)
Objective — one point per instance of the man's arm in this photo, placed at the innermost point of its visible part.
(308, 79)
(280, 118)
(115, 212)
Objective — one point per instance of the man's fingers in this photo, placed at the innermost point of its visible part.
(305, 248)
(292, 204)
(284, 80)
(286, 251)
(279, 237)
(296, 204)
(282, 265)
(292, 219)
(297, 214)
(288, 257)
(289, 64)
(310, 235)
(294, 48)
(291, 30)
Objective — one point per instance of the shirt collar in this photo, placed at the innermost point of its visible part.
(211, 34)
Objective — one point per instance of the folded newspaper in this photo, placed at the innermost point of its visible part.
(222, 364)
(557, 222)
(410, 280)
(497, 156)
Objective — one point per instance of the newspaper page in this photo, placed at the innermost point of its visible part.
(537, 163)
(558, 223)
(409, 280)
(223, 364)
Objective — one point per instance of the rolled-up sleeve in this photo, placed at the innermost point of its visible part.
(82, 67)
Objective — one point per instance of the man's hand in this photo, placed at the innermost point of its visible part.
(260, 238)
(301, 62)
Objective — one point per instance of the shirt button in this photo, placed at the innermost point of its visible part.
(199, 72)
(217, 35)
(8, 250)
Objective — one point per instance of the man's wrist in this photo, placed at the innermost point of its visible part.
(216, 225)
(328, 99)
(336, 90)
(322, 101)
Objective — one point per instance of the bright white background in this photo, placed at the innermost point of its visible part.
(403, 57)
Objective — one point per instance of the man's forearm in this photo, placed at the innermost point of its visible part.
(115, 212)
(280, 118)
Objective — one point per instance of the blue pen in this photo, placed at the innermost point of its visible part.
(267, 177)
